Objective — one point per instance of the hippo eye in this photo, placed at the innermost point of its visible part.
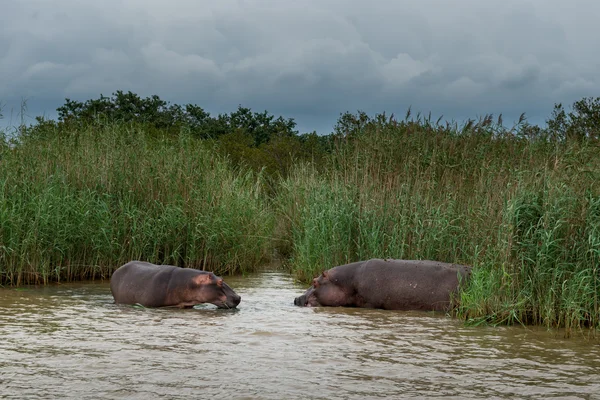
(220, 282)
(315, 283)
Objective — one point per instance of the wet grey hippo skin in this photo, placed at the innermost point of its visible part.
(387, 284)
(151, 285)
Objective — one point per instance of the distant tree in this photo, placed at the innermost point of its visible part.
(122, 107)
(583, 122)
(557, 123)
(261, 126)
(129, 107)
(349, 124)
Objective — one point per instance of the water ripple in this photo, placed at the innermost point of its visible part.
(71, 341)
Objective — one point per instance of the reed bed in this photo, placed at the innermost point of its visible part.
(525, 213)
(80, 203)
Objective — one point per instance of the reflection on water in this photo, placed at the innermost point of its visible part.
(70, 341)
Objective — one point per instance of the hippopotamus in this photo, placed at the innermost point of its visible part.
(150, 285)
(416, 285)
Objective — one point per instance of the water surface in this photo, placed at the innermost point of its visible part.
(70, 342)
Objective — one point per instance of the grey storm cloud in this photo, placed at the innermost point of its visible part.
(309, 59)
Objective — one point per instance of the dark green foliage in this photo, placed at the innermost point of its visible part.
(581, 123)
(157, 113)
(256, 140)
(122, 107)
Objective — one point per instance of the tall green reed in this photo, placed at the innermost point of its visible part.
(523, 212)
(78, 204)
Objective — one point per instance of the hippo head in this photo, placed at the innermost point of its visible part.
(325, 291)
(209, 288)
(308, 299)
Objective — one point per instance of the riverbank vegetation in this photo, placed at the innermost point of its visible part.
(124, 178)
(78, 203)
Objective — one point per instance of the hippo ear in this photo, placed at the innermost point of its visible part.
(202, 279)
(325, 274)
(315, 283)
(220, 282)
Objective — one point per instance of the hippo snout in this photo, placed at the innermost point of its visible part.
(232, 301)
(308, 299)
(300, 300)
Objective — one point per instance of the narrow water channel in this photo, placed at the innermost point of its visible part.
(70, 342)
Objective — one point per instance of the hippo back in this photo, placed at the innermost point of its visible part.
(409, 284)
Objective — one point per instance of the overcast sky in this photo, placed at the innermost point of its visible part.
(305, 59)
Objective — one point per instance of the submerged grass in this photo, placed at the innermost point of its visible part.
(81, 203)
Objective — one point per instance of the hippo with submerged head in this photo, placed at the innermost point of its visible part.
(387, 284)
(150, 285)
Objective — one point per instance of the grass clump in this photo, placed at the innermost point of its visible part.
(523, 211)
(80, 203)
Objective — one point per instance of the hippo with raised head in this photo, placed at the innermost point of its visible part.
(150, 285)
(387, 284)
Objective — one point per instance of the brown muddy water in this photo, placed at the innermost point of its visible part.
(70, 341)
